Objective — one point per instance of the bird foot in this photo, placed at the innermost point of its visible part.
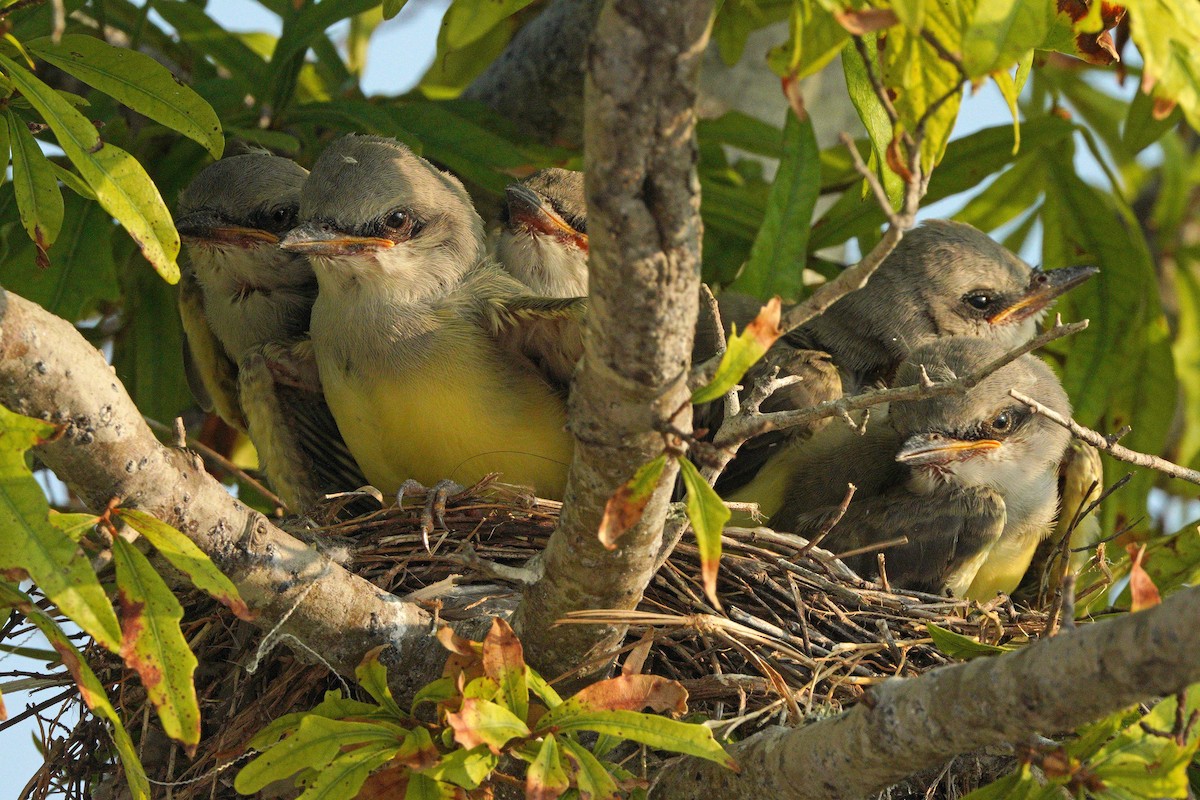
(435, 503)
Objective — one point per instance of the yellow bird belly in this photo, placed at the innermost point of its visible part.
(1005, 565)
(461, 414)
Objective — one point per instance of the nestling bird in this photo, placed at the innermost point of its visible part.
(970, 479)
(943, 279)
(241, 296)
(436, 363)
(541, 235)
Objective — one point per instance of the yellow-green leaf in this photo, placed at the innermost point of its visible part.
(815, 37)
(708, 514)
(90, 688)
(30, 543)
(1166, 32)
(38, 197)
(590, 775)
(73, 182)
(742, 351)
(333, 706)
(393, 7)
(465, 768)
(185, 556)
(372, 677)
(689, 738)
(956, 645)
(73, 525)
(504, 662)
(138, 81)
(468, 21)
(1002, 32)
(314, 745)
(481, 722)
(547, 777)
(121, 184)
(1010, 92)
(624, 509)
(423, 787)
(342, 779)
(153, 645)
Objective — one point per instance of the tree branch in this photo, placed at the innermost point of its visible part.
(643, 204)
(1109, 443)
(917, 723)
(537, 82)
(48, 371)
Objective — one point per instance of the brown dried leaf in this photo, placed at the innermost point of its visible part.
(633, 693)
(1142, 590)
(625, 508)
(869, 20)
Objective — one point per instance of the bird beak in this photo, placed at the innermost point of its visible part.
(527, 208)
(322, 240)
(936, 449)
(202, 227)
(1044, 287)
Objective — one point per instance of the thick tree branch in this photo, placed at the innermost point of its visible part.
(537, 82)
(918, 723)
(48, 370)
(644, 223)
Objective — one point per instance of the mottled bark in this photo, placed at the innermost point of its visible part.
(47, 370)
(643, 220)
(1052, 686)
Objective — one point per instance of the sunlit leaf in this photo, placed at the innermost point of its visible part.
(1143, 127)
(624, 509)
(185, 556)
(874, 117)
(121, 184)
(1144, 759)
(315, 744)
(153, 645)
(1166, 32)
(453, 70)
(465, 768)
(742, 351)
(708, 515)
(466, 22)
(31, 544)
(626, 692)
(651, 730)
(481, 722)
(90, 688)
(815, 37)
(1019, 785)
(547, 778)
(138, 81)
(332, 706)
(372, 677)
(1143, 593)
(342, 779)
(393, 7)
(592, 778)
(1001, 32)
(504, 662)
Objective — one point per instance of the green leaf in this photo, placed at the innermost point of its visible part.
(481, 722)
(38, 196)
(708, 514)
(777, 259)
(1147, 764)
(1010, 93)
(137, 81)
(1002, 32)
(467, 21)
(75, 526)
(1142, 128)
(547, 776)
(189, 559)
(625, 508)
(422, 787)
(1186, 351)
(120, 183)
(911, 13)
(437, 691)
(465, 768)
(153, 645)
(541, 689)
(90, 688)
(593, 780)
(342, 779)
(314, 745)
(52, 560)
(688, 738)
(1020, 785)
(393, 7)
(815, 38)
(1166, 33)
(299, 31)
(333, 706)
(372, 677)
(873, 115)
(956, 645)
(73, 182)
(742, 351)
(504, 662)
(743, 131)
(453, 70)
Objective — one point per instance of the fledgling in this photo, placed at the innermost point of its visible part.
(943, 279)
(970, 480)
(436, 363)
(244, 302)
(541, 235)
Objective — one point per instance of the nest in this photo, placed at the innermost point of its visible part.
(799, 637)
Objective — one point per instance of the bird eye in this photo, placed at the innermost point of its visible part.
(283, 216)
(396, 220)
(980, 301)
(1002, 422)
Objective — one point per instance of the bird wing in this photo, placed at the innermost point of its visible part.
(950, 534)
(546, 332)
(211, 373)
(298, 441)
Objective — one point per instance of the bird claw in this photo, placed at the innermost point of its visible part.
(434, 510)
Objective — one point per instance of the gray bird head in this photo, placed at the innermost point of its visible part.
(541, 238)
(943, 279)
(233, 213)
(372, 210)
(982, 437)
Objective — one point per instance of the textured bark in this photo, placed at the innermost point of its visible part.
(1052, 686)
(48, 371)
(644, 226)
(537, 82)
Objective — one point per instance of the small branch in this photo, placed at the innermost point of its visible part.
(1108, 444)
